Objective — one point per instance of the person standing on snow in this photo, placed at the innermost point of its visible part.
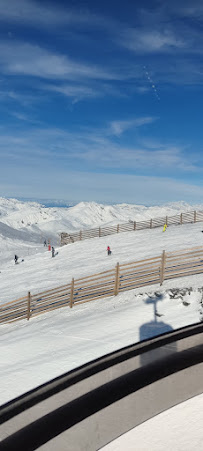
(52, 252)
(165, 227)
(108, 250)
(16, 259)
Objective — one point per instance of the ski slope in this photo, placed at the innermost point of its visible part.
(34, 352)
(39, 271)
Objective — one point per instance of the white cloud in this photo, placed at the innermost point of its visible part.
(14, 99)
(78, 92)
(75, 92)
(130, 188)
(142, 89)
(150, 41)
(79, 161)
(119, 127)
(78, 185)
(95, 150)
(26, 59)
(37, 14)
(186, 8)
(21, 116)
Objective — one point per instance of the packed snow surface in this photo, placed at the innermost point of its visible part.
(53, 343)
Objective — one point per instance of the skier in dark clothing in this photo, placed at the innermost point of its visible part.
(45, 242)
(52, 252)
(108, 250)
(16, 259)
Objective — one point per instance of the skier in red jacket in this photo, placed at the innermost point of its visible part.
(108, 250)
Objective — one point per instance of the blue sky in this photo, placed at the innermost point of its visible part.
(101, 100)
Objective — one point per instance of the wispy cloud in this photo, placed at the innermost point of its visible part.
(24, 117)
(23, 106)
(165, 28)
(151, 41)
(26, 59)
(79, 185)
(146, 189)
(20, 116)
(119, 127)
(95, 150)
(142, 89)
(80, 91)
(167, 31)
(185, 8)
(74, 92)
(37, 14)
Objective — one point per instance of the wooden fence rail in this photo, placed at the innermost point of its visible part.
(123, 277)
(182, 218)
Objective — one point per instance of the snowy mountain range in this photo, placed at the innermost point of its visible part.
(28, 224)
(20, 215)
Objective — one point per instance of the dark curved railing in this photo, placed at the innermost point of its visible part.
(94, 404)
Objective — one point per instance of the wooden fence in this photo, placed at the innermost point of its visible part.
(107, 283)
(182, 218)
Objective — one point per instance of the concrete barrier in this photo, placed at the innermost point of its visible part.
(88, 407)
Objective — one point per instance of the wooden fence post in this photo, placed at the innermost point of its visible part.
(150, 223)
(195, 216)
(118, 228)
(80, 235)
(99, 232)
(181, 218)
(134, 225)
(116, 288)
(71, 293)
(162, 267)
(166, 220)
(28, 305)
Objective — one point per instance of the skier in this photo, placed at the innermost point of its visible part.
(52, 252)
(45, 242)
(108, 250)
(16, 259)
(165, 227)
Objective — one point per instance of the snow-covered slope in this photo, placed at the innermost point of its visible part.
(61, 340)
(39, 271)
